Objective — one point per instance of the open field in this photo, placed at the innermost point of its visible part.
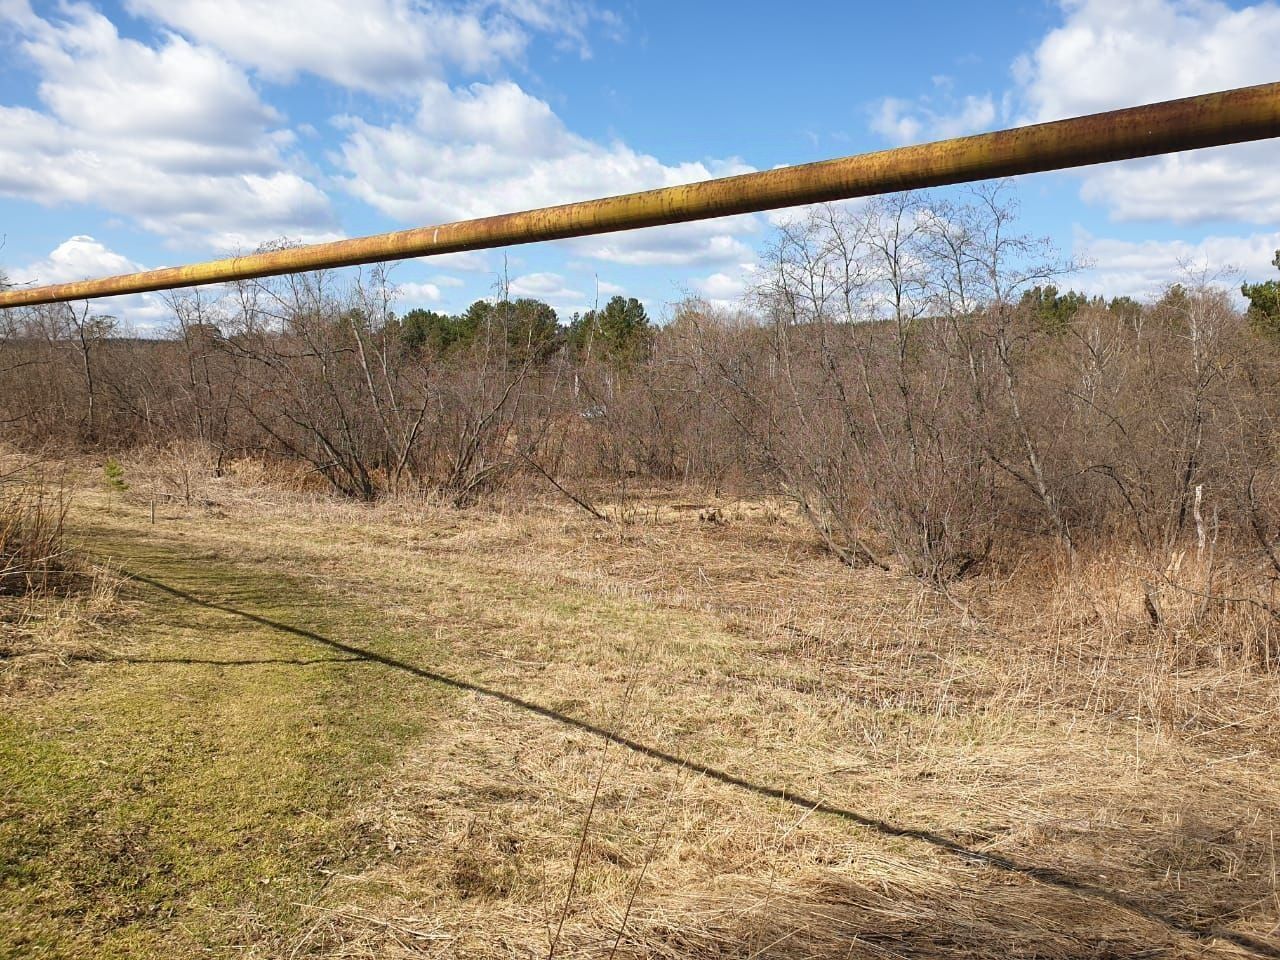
(311, 728)
(722, 553)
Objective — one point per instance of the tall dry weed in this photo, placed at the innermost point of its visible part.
(34, 557)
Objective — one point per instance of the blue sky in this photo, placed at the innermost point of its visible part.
(150, 132)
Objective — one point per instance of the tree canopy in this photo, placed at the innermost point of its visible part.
(1054, 310)
(619, 331)
(1264, 304)
(529, 327)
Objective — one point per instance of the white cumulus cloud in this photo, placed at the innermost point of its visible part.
(84, 258)
(932, 117)
(374, 45)
(490, 148)
(419, 293)
(1145, 268)
(77, 258)
(551, 288)
(1107, 55)
(172, 136)
(1104, 55)
(727, 288)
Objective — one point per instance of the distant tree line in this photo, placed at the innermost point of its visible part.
(620, 329)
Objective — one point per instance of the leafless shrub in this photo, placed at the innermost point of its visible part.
(181, 471)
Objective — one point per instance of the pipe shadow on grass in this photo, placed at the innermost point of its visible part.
(198, 662)
(1044, 875)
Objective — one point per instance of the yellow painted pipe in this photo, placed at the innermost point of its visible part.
(1233, 116)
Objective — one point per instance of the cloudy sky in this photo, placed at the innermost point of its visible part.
(153, 132)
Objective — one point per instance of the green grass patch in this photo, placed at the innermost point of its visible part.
(187, 791)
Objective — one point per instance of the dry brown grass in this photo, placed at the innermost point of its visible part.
(191, 474)
(41, 637)
(33, 554)
(51, 600)
(750, 751)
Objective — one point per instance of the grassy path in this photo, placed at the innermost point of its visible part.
(188, 789)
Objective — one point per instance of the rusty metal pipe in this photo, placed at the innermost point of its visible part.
(1233, 116)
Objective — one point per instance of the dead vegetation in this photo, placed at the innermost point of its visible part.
(692, 739)
(33, 555)
(51, 597)
(905, 373)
